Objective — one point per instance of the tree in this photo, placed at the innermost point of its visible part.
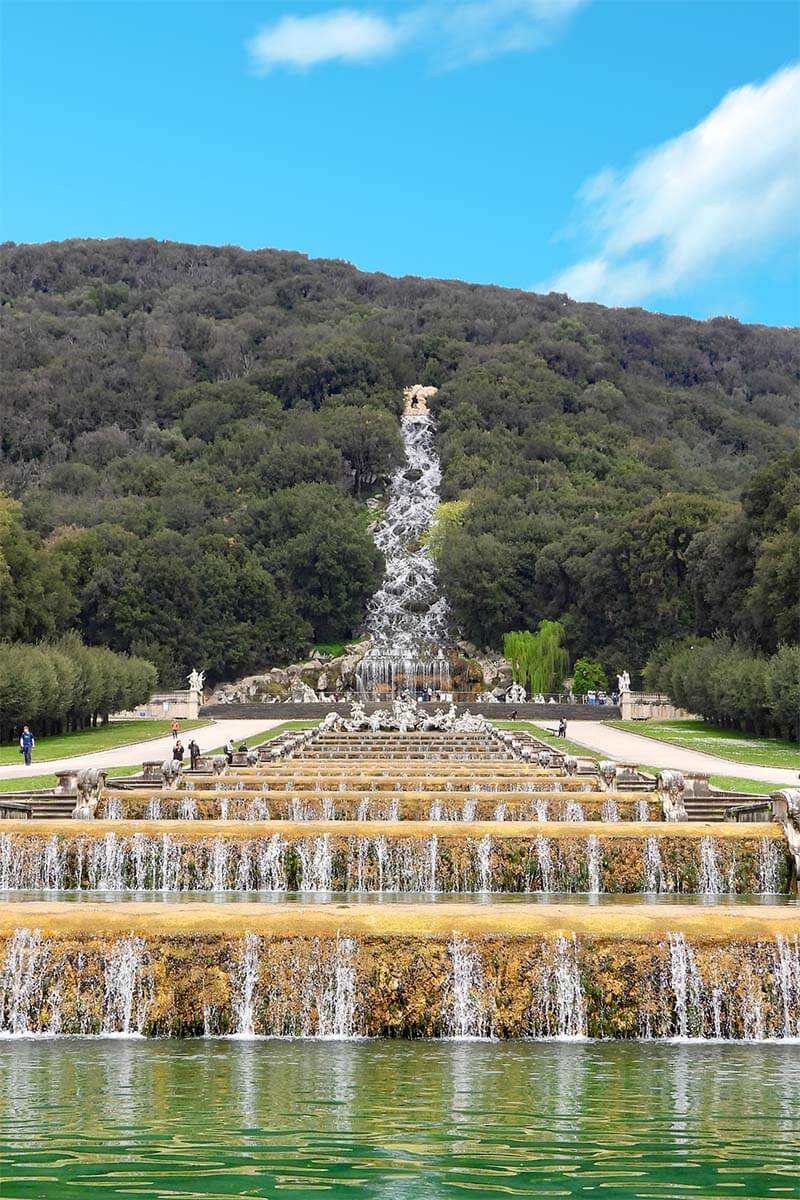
(588, 675)
(538, 660)
(728, 684)
(369, 441)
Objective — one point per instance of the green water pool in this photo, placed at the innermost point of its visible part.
(404, 1121)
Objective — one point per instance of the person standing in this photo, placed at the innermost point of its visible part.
(26, 743)
(176, 728)
(229, 750)
(177, 751)
(194, 753)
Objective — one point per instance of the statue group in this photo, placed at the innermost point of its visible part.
(196, 680)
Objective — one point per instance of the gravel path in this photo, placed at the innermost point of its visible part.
(633, 747)
(214, 734)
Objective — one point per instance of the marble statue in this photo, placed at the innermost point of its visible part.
(196, 680)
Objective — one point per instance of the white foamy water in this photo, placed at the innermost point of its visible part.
(407, 617)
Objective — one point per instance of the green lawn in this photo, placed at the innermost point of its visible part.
(35, 782)
(731, 784)
(267, 735)
(87, 741)
(42, 781)
(335, 649)
(562, 744)
(728, 783)
(725, 743)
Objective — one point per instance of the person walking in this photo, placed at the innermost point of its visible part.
(26, 743)
(176, 728)
(194, 753)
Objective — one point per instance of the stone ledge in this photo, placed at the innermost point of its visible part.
(495, 712)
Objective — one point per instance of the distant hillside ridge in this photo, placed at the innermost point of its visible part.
(190, 434)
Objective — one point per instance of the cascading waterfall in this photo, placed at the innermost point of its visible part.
(316, 997)
(686, 983)
(245, 981)
(485, 864)
(21, 983)
(653, 867)
(768, 866)
(337, 992)
(126, 1000)
(545, 863)
(341, 986)
(569, 1009)
(594, 864)
(788, 975)
(466, 1015)
(711, 883)
(407, 617)
(378, 862)
(315, 864)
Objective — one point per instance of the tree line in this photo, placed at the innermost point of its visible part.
(730, 685)
(191, 433)
(64, 685)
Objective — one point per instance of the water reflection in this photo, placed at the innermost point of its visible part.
(398, 1120)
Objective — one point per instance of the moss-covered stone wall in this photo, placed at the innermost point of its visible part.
(368, 983)
(225, 803)
(429, 857)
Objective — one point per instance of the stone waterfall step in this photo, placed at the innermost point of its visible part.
(294, 804)
(414, 970)
(397, 856)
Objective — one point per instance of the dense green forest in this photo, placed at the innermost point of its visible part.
(189, 434)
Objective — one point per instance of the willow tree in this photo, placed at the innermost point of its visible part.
(538, 660)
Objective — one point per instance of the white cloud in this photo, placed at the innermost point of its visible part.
(721, 193)
(474, 32)
(306, 41)
(451, 34)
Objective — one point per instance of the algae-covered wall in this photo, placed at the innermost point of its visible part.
(296, 805)
(371, 779)
(184, 984)
(431, 858)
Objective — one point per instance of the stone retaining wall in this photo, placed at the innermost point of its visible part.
(496, 712)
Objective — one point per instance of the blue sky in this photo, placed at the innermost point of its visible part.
(641, 152)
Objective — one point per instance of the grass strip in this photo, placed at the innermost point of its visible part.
(89, 741)
(730, 744)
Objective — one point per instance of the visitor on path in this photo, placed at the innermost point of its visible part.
(562, 727)
(176, 728)
(194, 753)
(177, 751)
(229, 750)
(26, 743)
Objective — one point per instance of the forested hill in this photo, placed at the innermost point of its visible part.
(189, 434)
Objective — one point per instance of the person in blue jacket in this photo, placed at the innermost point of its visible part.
(26, 743)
